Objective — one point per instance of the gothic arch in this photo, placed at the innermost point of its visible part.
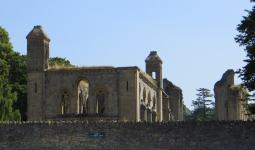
(144, 95)
(99, 99)
(75, 88)
(79, 78)
(64, 100)
(154, 101)
(140, 90)
(149, 98)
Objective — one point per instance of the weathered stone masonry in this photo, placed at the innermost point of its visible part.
(113, 93)
(172, 135)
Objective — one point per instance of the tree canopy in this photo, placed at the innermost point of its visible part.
(246, 38)
(60, 61)
(201, 100)
(7, 96)
(201, 112)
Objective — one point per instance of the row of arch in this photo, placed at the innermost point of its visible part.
(148, 105)
(84, 102)
(147, 98)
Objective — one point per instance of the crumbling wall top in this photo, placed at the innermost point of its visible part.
(227, 79)
(171, 85)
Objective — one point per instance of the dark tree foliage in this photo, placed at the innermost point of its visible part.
(18, 80)
(246, 38)
(60, 61)
(7, 96)
(198, 114)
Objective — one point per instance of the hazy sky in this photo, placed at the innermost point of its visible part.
(195, 39)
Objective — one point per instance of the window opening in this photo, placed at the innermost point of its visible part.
(35, 88)
(65, 102)
(83, 94)
(154, 75)
(100, 107)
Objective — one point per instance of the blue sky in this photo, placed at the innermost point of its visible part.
(195, 39)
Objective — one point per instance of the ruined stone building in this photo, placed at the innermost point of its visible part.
(97, 93)
(227, 104)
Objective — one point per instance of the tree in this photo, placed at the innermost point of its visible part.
(18, 81)
(6, 96)
(60, 61)
(198, 114)
(247, 38)
(201, 100)
(186, 112)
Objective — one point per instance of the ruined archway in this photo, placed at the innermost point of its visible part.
(82, 89)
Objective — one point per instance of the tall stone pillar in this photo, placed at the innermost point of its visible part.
(228, 107)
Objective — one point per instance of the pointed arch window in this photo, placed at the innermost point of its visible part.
(100, 100)
(65, 102)
(100, 105)
(154, 101)
(149, 98)
(144, 95)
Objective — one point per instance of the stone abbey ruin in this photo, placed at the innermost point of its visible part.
(113, 93)
(97, 93)
(67, 105)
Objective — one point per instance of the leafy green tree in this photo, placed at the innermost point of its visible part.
(60, 61)
(201, 100)
(18, 81)
(6, 96)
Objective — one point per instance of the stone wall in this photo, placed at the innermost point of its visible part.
(174, 135)
(176, 104)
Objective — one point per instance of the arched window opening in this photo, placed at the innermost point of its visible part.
(168, 91)
(100, 106)
(139, 92)
(149, 98)
(144, 95)
(154, 101)
(83, 91)
(154, 75)
(65, 101)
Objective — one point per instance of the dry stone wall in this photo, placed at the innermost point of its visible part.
(172, 135)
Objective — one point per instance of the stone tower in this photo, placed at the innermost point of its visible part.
(37, 49)
(37, 64)
(154, 64)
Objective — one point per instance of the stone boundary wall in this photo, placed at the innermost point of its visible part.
(235, 135)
